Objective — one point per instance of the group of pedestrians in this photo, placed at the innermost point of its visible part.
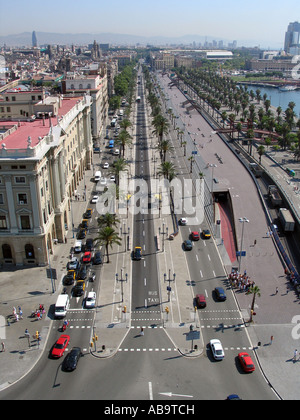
(240, 281)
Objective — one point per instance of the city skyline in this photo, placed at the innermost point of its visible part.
(256, 23)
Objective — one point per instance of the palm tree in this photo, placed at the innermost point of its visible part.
(124, 139)
(260, 151)
(164, 147)
(120, 165)
(107, 220)
(167, 169)
(253, 290)
(107, 236)
(161, 126)
(125, 124)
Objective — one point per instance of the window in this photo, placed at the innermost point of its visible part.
(6, 250)
(1, 199)
(25, 222)
(20, 179)
(29, 251)
(3, 224)
(22, 198)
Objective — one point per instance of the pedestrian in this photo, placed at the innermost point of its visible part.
(21, 313)
(271, 340)
(276, 291)
(3, 346)
(255, 241)
(295, 354)
(142, 331)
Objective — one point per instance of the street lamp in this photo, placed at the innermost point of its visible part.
(242, 220)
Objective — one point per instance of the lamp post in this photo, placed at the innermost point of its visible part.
(242, 220)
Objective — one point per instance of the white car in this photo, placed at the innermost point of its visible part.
(112, 178)
(95, 199)
(105, 165)
(183, 221)
(103, 181)
(90, 301)
(116, 152)
(217, 349)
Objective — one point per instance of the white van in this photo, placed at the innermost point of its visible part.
(61, 306)
(78, 247)
(97, 176)
(121, 112)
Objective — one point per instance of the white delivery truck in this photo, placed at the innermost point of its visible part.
(61, 306)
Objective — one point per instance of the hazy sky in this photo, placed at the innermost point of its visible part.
(263, 21)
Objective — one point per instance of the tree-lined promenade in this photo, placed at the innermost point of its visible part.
(243, 109)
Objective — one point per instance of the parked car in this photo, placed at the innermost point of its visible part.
(112, 178)
(217, 349)
(87, 257)
(195, 236)
(68, 280)
(200, 301)
(89, 244)
(246, 362)
(183, 221)
(220, 293)
(72, 358)
(81, 234)
(60, 346)
(88, 213)
(103, 181)
(73, 264)
(188, 245)
(97, 258)
(82, 273)
(105, 165)
(90, 301)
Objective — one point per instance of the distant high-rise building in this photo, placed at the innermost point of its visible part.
(34, 39)
(292, 39)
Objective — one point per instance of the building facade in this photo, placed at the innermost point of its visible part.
(41, 165)
(292, 39)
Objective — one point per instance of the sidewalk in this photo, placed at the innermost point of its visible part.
(28, 288)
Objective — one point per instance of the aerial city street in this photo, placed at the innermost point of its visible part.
(149, 218)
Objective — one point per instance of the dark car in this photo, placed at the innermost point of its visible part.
(89, 245)
(88, 213)
(79, 288)
(68, 280)
(71, 359)
(200, 301)
(81, 234)
(97, 258)
(220, 293)
(137, 253)
(188, 246)
(82, 273)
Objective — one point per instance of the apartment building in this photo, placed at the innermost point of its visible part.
(18, 102)
(96, 86)
(41, 165)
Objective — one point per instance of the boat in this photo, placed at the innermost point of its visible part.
(287, 88)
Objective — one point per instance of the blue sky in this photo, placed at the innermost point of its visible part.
(263, 21)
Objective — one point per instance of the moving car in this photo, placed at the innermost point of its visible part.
(137, 253)
(183, 221)
(220, 293)
(73, 264)
(90, 301)
(71, 360)
(60, 346)
(82, 273)
(200, 301)
(116, 152)
(89, 244)
(95, 199)
(81, 234)
(188, 245)
(68, 280)
(206, 234)
(195, 236)
(88, 213)
(87, 257)
(112, 178)
(105, 165)
(97, 258)
(217, 349)
(79, 288)
(246, 362)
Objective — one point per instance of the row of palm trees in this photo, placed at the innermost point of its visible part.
(216, 92)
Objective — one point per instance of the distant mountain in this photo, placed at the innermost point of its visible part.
(45, 38)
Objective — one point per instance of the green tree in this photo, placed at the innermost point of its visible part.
(108, 237)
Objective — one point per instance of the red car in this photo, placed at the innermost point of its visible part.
(246, 362)
(60, 346)
(195, 236)
(200, 301)
(87, 257)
